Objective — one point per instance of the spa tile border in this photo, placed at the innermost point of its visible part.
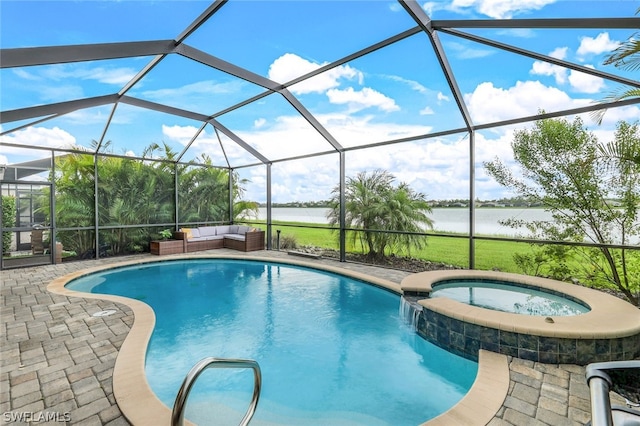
(609, 332)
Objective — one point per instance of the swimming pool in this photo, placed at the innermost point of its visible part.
(508, 297)
(332, 349)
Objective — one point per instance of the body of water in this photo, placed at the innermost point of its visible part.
(445, 219)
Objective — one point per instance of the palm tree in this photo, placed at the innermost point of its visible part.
(623, 152)
(373, 204)
(626, 57)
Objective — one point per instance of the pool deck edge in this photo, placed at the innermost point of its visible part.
(486, 396)
(597, 323)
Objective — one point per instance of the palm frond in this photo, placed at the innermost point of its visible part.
(626, 56)
(622, 92)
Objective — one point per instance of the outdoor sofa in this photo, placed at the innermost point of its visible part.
(237, 237)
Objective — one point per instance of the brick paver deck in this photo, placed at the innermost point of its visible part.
(57, 359)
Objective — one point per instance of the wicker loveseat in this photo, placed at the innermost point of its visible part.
(237, 237)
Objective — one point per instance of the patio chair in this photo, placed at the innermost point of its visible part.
(37, 245)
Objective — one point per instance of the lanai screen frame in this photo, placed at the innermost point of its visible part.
(160, 49)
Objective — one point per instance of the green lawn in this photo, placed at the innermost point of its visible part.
(450, 250)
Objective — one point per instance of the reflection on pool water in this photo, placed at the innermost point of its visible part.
(508, 297)
(332, 349)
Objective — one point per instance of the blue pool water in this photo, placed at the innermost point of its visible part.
(333, 350)
(501, 296)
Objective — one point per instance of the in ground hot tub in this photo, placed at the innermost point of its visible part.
(507, 296)
(608, 330)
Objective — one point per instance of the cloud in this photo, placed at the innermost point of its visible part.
(290, 66)
(545, 68)
(579, 81)
(354, 131)
(259, 123)
(586, 83)
(41, 137)
(499, 9)
(488, 103)
(427, 111)
(115, 76)
(463, 51)
(199, 89)
(595, 46)
(414, 85)
(358, 100)
(26, 75)
(182, 134)
(442, 97)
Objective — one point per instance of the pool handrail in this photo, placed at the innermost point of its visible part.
(177, 415)
(600, 382)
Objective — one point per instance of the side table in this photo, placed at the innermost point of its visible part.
(166, 247)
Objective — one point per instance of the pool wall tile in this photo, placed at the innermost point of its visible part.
(490, 346)
(528, 342)
(548, 357)
(466, 339)
(508, 338)
(567, 346)
(549, 344)
(457, 340)
(528, 354)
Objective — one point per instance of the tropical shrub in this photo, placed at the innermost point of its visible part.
(590, 198)
(8, 220)
(374, 206)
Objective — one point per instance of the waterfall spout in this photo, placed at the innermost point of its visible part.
(410, 312)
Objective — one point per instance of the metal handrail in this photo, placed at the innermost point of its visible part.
(600, 382)
(177, 416)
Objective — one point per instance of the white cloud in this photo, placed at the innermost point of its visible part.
(488, 103)
(361, 99)
(545, 68)
(586, 83)
(442, 97)
(26, 75)
(182, 134)
(116, 76)
(42, 137)
(259, 123)
(595, 46)
(414, 85)
(505, 9)
(500, 9)
(199, 88)
(290, 66)
(427, 111)
(464, 51)
(354, 131)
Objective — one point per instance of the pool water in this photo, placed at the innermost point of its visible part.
(332, 349)
(501, 296)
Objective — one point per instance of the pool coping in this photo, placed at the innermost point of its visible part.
(597, 323)
(141, 406)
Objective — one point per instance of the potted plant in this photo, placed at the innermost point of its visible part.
(166, 234)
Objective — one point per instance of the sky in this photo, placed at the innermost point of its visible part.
(395, 92)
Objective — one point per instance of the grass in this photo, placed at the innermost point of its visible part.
(450, 250)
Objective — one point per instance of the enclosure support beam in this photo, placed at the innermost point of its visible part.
(343, 231)
(230, 180)
(472, 198)
(175, 195)
(95, 204)
(269, 206)
(52, 202)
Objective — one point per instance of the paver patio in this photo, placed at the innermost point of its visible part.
(57, 359)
